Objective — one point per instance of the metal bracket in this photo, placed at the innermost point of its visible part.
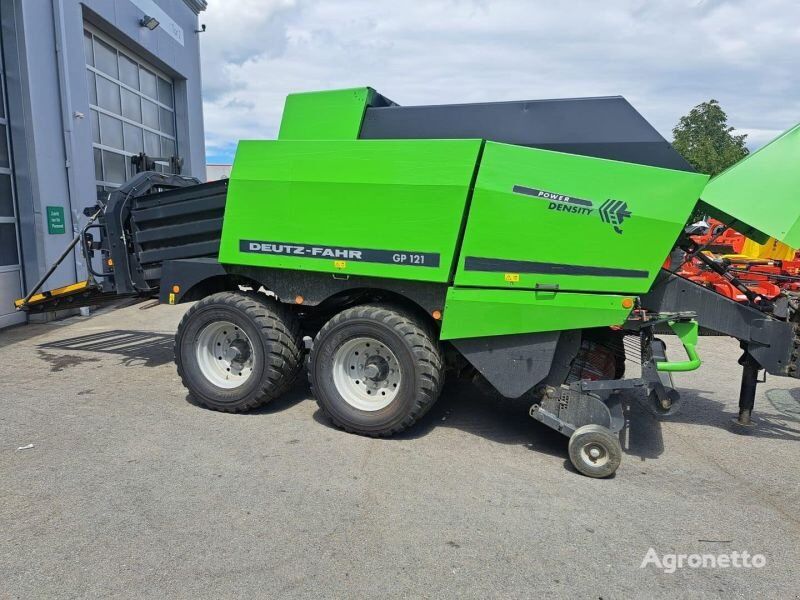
(687, 333)
(551, 420)
(613, 385)
(567, 409)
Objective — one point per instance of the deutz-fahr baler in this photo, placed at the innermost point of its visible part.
(525, 244)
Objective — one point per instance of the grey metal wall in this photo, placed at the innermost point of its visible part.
(49, 107)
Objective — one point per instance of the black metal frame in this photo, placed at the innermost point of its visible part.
(586, 402)
(768, 341)
(151, 219)
(315, 288)
(568, 409)
(142, 163)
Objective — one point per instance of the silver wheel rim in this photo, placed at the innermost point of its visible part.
(594, 455)
(366, 374)
(224, 354)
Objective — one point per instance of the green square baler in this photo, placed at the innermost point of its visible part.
(518, 243)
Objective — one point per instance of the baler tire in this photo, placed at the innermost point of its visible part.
(415, 349)
(275, 342)
(595, 437)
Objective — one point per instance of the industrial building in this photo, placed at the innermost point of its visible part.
(87, 85)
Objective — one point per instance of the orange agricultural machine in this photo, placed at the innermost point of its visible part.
(764, 269)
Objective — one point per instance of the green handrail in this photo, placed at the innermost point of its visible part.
(687, 333)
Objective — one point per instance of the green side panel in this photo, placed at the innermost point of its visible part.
(330, 115)
(385, 208)
(760, 195)
(542, 218)
(478, 313)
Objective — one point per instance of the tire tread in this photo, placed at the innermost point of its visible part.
(423, 344)
(281, 333)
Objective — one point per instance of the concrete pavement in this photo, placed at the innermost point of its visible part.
(130, 491)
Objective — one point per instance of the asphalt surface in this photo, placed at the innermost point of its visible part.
(129, 490)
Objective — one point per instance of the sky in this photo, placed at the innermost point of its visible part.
(664, 56)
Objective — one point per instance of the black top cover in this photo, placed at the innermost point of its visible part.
(604, 127)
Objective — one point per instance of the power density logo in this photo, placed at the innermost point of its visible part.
(613, 212)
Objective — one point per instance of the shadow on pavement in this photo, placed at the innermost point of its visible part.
(137, 348)
(295, 395)
(462, 406)
(786, 402)
(642, 434)
(700, 410)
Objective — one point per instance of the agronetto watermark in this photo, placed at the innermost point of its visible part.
(669, 563)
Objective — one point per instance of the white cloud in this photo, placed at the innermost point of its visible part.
(758, 137)
(665, 57)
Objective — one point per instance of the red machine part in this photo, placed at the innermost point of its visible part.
(728, 242)
(594, 362)
(783, 274)
(766, 278)
(760, 283)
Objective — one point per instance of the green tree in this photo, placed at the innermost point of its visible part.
(705, 139)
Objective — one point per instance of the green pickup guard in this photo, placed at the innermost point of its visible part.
(687, 333)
